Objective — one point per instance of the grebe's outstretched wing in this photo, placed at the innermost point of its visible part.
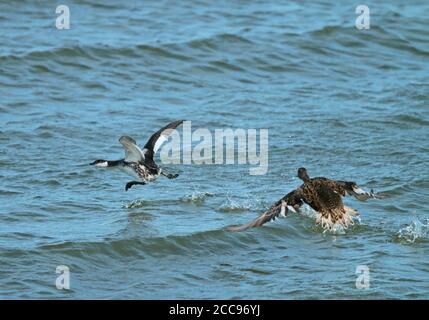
(158, 138)
(133, 153)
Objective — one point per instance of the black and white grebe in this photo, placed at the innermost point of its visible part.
(323, 195)
(139, 163)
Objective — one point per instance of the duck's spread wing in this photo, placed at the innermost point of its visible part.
(291, 201)
(159, 137)
(350, 188)
(132, 151)
(267, 216)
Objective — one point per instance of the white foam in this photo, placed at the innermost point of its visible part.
(348, 219)
(414, 231)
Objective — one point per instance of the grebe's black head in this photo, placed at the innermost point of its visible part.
(100, 163)
(302, 174)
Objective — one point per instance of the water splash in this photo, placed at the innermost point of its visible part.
(414, 231)
(134, 204)
(232, 204)
(337, 228)
(307, 211)
(196, 197)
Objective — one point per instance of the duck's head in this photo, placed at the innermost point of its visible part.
(100, 163)
(302, 174)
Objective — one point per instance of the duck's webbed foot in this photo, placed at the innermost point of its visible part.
(170, 175)
(131, 183)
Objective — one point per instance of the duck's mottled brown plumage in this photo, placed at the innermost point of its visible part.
(321, 194)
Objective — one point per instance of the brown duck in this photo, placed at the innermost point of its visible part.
(322, 195)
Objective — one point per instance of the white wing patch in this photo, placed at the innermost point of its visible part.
(162, 138)
(133, 153)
